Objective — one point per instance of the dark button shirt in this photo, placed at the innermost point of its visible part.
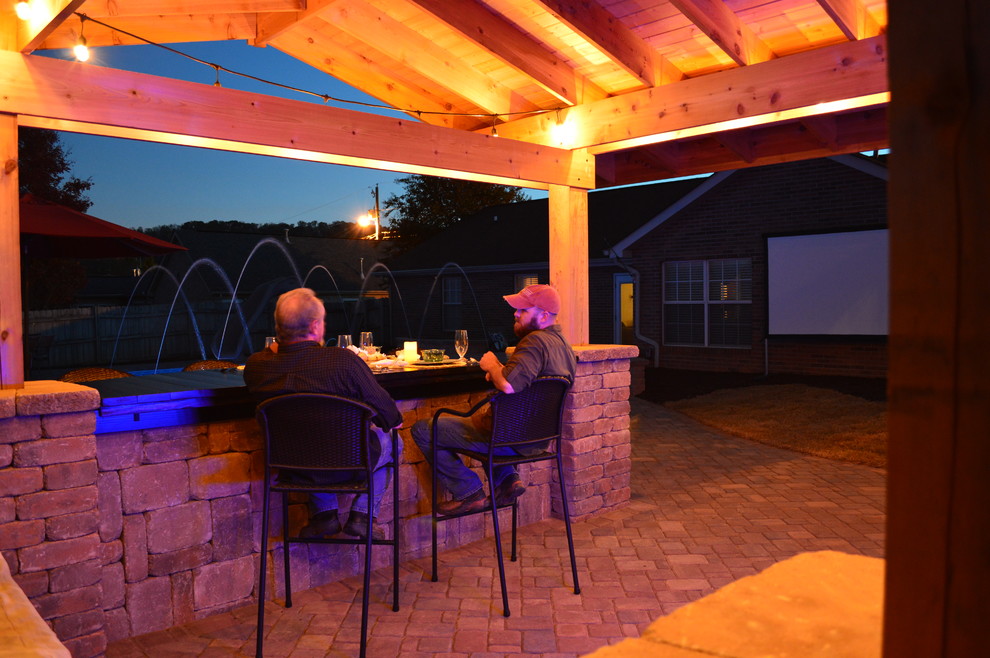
(306, 367)
(544, 352)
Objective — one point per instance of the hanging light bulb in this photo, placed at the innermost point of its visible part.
(81, 50)
(23, 10)
(494, 132)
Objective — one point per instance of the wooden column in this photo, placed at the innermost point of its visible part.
(569, 258)
(11, 338)
(938, 535)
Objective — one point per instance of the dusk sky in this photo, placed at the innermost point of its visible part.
(140, 184)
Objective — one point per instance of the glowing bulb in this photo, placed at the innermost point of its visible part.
(80, 50)
(23, 10)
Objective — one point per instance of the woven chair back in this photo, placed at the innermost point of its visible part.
(313, 431)
(530, 416)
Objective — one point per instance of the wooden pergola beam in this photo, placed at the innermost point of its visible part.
(77, 97)
(807, 83)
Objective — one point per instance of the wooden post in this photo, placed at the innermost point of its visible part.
(569, 258)
(11, 338)
(938, 539)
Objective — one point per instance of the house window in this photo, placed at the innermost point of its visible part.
(452, 303)
(523, 280)
(708, 303)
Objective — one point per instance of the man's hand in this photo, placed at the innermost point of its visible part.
(493, 372)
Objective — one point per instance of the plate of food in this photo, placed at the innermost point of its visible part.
(446, 361)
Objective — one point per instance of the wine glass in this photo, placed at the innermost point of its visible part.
(344, 340)
(461, 342)
(366, 342)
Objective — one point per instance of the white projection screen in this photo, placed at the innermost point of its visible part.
(828, 284)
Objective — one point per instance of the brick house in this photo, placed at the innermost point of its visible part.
(686, 235)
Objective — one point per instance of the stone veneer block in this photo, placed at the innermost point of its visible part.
(111, 512)
(54, 451)
(233, 531)
(174, 528)
(218, 476)
(16, 429)
(119, 450)
(8, 403)
(154, 486)
(73, 424)
(149, 605)
(51, 397)
(224, 582)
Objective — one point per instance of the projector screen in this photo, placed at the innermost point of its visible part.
(828, 284)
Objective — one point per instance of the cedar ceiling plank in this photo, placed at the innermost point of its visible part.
(389, 37)
(376, 78)
(726, 31)
(607, 33)
(852, 18)
(513, 47)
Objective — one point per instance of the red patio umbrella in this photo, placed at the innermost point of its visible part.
(51, 230)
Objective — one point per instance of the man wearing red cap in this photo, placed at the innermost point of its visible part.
(542, 350)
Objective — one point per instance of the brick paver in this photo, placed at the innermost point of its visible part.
(706, 509)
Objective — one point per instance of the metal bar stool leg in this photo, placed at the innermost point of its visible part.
(498, 540)
(567, 520)
(262, 578)
(395, 521)
(286, 548)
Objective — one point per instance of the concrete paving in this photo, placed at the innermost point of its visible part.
(707, 509)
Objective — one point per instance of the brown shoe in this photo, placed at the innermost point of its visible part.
(473, 503)
(357, 526)
(508, 490)
(321, 526)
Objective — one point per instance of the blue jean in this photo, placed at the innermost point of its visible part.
(455, 476)
(324, 502)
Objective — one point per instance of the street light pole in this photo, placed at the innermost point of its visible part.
(378, 217)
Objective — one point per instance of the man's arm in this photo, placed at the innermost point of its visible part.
(493, 372)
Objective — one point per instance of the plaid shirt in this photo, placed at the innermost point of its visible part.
(305, 367)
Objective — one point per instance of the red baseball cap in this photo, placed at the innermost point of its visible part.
(539, 295)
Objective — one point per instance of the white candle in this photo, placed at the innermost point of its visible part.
(410, 352)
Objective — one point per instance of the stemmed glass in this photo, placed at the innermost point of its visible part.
(461, 342)
(366, 343)
(344, 340)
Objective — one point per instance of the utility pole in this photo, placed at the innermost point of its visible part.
(378, 216)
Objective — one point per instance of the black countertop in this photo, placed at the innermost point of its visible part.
(182, 398)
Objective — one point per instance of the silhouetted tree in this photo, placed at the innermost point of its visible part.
(431, 204)
(43, 168)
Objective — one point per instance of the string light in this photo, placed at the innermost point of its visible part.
(23, 10)
(326, 98)
(80, 50)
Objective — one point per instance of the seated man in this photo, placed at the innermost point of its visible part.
(542, 350)
(298, 363)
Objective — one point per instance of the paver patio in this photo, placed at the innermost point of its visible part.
(706, 510)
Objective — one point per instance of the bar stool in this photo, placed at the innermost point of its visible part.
(527, 420)
(322, 433)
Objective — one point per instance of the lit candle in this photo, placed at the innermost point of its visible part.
(410, 352)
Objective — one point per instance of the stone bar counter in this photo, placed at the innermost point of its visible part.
(122, 514)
